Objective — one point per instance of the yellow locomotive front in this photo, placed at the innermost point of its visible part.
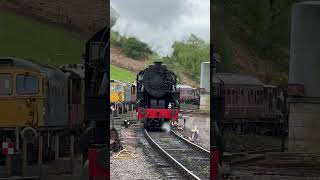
(21, 98)
(116, 92)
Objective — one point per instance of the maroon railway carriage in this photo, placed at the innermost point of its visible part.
(188, 94)
(75, 75)
(248, 103)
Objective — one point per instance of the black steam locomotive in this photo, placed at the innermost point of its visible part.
(157, 95)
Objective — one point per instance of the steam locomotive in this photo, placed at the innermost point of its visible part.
(157, 96)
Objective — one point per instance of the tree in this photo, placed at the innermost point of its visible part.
(187, 56)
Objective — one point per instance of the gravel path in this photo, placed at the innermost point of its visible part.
(139, 168)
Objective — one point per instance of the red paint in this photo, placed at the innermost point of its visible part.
(95, 170)
(295, 89)
(8, 147)
(214, 163)
(158, 113)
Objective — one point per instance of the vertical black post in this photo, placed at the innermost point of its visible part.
(284, 121)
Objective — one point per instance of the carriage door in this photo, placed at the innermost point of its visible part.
(76, 105)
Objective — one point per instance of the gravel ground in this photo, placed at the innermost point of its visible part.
(202, 121)
(139, 168)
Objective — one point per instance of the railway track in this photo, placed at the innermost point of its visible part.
(191, 160)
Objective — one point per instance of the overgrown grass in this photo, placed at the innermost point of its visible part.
(122, 74)
(26, 38)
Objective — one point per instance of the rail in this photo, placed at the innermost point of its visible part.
(176, 164)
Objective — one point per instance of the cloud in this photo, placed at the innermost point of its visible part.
(161, 22)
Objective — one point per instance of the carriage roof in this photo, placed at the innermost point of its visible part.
(230, 78)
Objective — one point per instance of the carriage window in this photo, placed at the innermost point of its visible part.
(27, 84)
(5, 84)
(119, 88)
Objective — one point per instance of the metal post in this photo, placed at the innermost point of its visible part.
(122, 107)
(132, 110)
(24, 148)
(8, 165)
(17, 139)
(71, 152)
(113, 118)
(56, 147)
(40, 150)
(285, 118)
(117, 109)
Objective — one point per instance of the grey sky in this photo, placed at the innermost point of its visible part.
(161, 22)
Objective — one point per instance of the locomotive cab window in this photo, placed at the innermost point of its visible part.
(27, 84)
(5, 84)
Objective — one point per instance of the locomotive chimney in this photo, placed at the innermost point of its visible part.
(157, 63)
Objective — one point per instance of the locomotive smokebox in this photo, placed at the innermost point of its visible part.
(304, 86)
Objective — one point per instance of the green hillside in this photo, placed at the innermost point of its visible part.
(26, 38)
(23, 37)
(121, 74)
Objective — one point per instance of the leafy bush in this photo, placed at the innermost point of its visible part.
(131, 46)
(135, 48)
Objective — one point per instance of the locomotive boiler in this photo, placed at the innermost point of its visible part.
(157, 96)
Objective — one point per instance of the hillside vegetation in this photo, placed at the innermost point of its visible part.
(187, 57)
(131, 46)
(121, 74)
(185, 60)
(252, 37)
(27, 38)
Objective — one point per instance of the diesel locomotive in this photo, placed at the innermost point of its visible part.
(38, 100)
(157, 96)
